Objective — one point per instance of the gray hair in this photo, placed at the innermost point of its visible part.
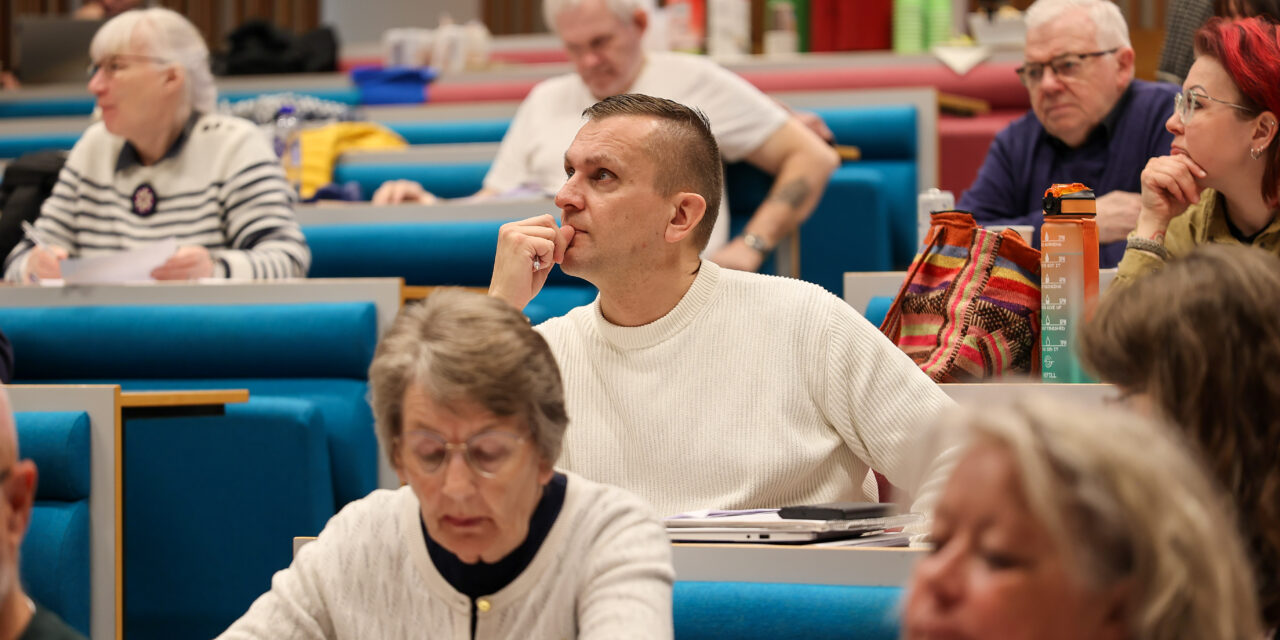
(1125, 500)
(461, 346)
(1112, 31)
(168, 35)
(624, 9)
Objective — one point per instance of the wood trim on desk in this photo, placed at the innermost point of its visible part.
(132, 399)
(413, 293)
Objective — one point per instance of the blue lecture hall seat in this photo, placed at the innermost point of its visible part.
(212, 501)
(55, 551)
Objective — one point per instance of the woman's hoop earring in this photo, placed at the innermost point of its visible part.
(1255, 153)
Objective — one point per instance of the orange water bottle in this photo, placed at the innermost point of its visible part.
(1068, 278)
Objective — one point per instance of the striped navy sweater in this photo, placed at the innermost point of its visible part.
(219, 186)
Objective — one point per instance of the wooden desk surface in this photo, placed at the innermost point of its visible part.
(130, 399)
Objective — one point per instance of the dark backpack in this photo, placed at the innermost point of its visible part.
(259, 47)
(27, 182)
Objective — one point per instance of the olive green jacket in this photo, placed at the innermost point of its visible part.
(1201, 223)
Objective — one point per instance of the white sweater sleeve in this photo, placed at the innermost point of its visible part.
(882, 405)
(629, 592)
(510, 166)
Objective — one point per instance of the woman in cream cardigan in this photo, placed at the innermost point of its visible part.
(486, 539)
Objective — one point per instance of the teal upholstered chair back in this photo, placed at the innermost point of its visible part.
(55, 551)
(192, 341)
(766, 611)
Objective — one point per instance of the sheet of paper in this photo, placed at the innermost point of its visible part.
(126, 266)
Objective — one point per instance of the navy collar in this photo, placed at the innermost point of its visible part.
(1105, 129)
(129, 155)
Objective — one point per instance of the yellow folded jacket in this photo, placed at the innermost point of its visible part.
(321, 146)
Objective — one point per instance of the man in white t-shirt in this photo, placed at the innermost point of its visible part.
(691, 385)
(603, 39)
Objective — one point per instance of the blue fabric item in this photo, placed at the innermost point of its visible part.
(58, 442)
(1024, 160)
(392, 85)
(12, 146)
(211, 506)
(877, 309)
(749, 610)
(279, 341)
(444, 180)
(451, 132)
(344, 191)
(880, 133)
(55, 560)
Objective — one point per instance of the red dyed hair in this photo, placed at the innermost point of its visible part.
(1249, 50)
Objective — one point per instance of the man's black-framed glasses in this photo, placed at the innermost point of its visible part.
(1067, 66)
(1186, 103)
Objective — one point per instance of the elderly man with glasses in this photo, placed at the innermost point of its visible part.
(1090, 122)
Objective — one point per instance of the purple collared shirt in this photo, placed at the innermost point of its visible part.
(1024, 160)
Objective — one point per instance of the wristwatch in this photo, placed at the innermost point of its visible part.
(756, 242)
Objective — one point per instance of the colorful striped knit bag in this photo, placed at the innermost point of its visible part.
(969, 309)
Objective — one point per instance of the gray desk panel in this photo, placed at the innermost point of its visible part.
(426, 154)
(383, 292)
(365, 213)
(794, 564)
(99, 401)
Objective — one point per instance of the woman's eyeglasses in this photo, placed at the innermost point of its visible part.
(1186, 103)
(111, 65)
(1066, 66)
(487, 452)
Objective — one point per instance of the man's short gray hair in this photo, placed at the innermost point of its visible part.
(1112, 30)
(1125, 500)
(624, 9)
(461, 346)
(165, 34)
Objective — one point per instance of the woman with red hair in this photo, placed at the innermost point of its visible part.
(1220, 182)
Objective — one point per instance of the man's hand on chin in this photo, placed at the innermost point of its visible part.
(527, 250)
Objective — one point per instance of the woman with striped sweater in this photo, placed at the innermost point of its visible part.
(161, 164)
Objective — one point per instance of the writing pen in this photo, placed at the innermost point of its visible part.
(29, 230)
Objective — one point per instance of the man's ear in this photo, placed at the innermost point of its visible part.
(21, 494)
(687, 211)
(641, 19)
(1125, 58)
(1264, 133)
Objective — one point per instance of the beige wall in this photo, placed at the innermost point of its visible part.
(363, 21)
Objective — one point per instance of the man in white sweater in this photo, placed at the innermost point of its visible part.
(692, 385)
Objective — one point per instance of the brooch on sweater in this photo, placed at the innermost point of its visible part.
(144, 200)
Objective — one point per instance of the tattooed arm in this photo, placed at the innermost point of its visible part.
(801, 165)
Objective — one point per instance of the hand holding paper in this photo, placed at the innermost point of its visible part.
(125, 266)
